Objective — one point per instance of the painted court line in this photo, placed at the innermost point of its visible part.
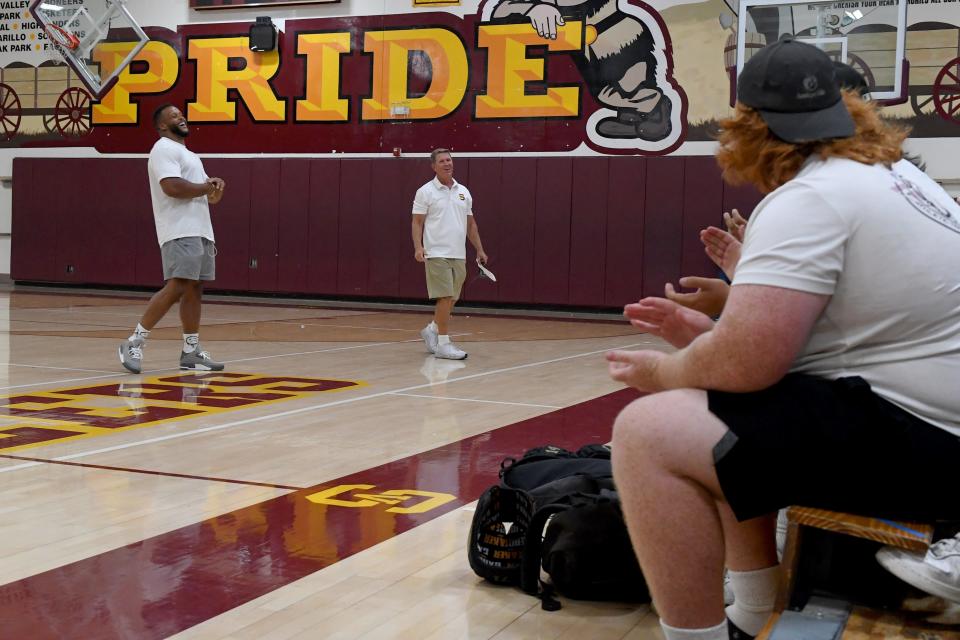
(43, 366)
(512, 404)
(154, 371)
(71, 312)
(201, 570)
(58, 382)
(166, 474)
(324, 405)
(340, 326)
(334, 349)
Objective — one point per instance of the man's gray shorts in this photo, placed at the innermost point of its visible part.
(192, 258)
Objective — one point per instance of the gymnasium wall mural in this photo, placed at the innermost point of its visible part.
(611, 76)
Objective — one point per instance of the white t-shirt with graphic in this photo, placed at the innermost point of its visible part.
(445, 228)
(177, 217)
(885, 245)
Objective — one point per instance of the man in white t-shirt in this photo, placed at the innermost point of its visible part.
(442, 221)
(181, 193)
(830, 380)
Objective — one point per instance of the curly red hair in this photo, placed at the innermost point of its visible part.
(749, 152)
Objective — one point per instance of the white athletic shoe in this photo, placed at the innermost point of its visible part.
(450, 351)
(936, 573)
(430, 338)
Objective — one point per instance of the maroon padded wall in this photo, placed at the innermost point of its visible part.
(560, 231)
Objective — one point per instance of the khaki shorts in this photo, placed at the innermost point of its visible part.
(191, 258)
(445, 277)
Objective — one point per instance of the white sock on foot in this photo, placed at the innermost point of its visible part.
(139, 332)
(190, 342)
(718, 632)
(443, 339)
(754, 595)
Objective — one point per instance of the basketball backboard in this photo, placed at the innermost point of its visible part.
(74, 28)
(869, 35)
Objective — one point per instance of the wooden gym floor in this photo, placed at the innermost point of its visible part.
(321, 488)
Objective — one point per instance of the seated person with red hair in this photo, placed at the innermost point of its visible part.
(815, 383)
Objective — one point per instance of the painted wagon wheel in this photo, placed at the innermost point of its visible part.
(857, 63)
(50, 122)
(946, 91)
(920, 104)
(10, 111)
(72, 113)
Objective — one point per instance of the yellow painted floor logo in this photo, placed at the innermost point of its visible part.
(344, 496)
(42, 418)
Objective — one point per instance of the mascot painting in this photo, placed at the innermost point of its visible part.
(625, 62)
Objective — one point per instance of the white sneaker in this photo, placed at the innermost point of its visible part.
(450, 351)
(430, 337)
(936, 573)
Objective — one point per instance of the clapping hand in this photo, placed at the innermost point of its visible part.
(668, 320)
(721, 247)
(635, 368)
(709, 298)
(735, 223)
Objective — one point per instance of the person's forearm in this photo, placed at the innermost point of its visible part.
(417, 233)
(722, 360)
(180, 188)
(473, 234)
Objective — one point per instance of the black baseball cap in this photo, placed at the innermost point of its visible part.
(793, 86)
(850, 78)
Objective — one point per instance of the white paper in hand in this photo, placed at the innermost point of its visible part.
(486, 273)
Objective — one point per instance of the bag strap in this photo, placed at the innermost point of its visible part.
(531, 560)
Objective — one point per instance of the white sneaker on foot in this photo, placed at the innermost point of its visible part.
(936, 573)
(430, 337)
(450, 351)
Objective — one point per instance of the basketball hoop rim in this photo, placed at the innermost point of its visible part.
(62, 37)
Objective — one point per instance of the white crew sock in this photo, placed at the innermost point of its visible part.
(190, 342)
(781, 532)
(139, 332)
(754, 595)
(443, 339)
(718, 632)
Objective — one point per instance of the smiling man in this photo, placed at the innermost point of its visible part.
(442, 221)
(181, 193)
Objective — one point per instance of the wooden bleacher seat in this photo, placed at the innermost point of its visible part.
(863, 622)
(914, 536)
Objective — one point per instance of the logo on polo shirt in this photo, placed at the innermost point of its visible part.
(462, 197)
(916, 197)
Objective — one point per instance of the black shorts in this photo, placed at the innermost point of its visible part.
(833, 444)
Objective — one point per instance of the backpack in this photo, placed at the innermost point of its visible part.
(558, 510)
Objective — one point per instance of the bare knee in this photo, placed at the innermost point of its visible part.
(639, 429)
(673, 430)
(176, 286)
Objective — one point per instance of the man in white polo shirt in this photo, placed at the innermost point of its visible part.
(181, 193)
(442, 221)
